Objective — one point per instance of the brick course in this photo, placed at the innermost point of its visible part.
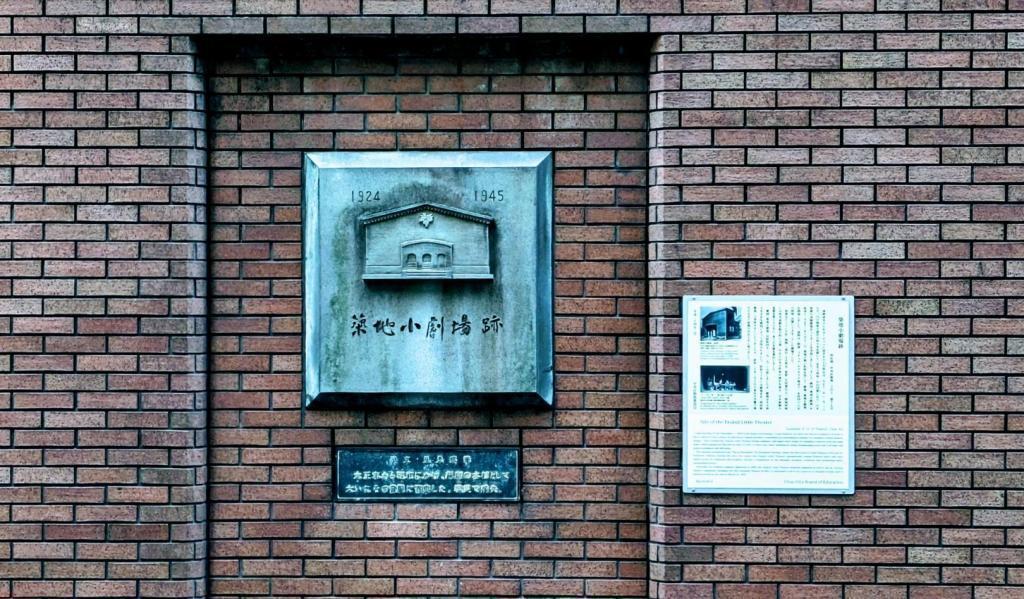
(866, 147)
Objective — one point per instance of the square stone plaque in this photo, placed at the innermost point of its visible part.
(427, 279)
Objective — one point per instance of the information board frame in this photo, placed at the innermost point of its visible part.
(687, 381)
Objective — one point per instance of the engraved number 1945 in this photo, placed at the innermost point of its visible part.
(489, 195)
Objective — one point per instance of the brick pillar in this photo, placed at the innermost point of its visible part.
(665, 213)
(103, 419)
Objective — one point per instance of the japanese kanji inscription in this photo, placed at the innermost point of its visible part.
(420, 474)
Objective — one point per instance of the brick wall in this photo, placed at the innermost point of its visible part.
(581, 527)
(869, 154)
(868, 147)
(102, 427)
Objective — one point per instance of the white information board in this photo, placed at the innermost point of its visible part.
(768, 396)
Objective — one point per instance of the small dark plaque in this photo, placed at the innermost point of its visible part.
(426, 474)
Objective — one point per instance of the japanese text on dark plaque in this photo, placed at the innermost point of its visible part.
(426, 474)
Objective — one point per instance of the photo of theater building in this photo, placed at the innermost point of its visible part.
(722, 324)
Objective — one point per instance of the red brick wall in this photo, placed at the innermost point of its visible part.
(869, 147)
(103, 387)
(871, 155)
(581, 527)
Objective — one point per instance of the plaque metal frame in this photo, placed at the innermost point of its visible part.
(687, 375)
(516, 451)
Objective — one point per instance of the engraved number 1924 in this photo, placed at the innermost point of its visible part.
(365, 196)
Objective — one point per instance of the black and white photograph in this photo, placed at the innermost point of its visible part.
(730, 379)
(720, 323)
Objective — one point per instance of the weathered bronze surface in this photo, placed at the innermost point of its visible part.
(428, 279)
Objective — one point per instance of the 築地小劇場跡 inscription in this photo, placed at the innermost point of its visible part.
(432, 328)
(426, 474)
